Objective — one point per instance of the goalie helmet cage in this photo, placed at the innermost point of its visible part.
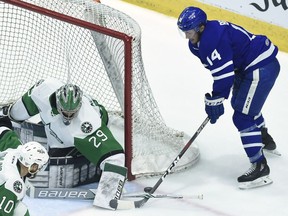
(98, 48)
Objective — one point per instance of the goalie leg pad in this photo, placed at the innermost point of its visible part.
(110, 186)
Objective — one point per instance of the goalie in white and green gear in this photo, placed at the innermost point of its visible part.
(17, 161)
(73, 119)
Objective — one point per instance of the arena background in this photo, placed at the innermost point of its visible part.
(278, 34)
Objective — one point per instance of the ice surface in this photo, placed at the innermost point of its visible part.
(179, 82)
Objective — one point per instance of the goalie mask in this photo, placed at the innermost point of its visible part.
(32, 153)
(68, 102)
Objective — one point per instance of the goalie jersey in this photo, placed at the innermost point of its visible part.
(88, 130)
(225, 48)
(41, 99)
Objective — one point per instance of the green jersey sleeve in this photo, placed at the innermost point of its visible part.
(9, 140)
(28, 102)
(8, 201)
(103, 111)
(98, 145)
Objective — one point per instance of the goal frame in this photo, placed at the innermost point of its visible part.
(127, 40)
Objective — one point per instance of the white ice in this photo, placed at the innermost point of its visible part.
(179, 82)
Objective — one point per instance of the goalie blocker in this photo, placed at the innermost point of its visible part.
(67, 167)
(67, 171)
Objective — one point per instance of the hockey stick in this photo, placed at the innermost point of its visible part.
(126, 204)
(170, 196)
(89, 194)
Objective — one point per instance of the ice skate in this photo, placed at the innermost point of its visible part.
(269, 143)
(256, 176)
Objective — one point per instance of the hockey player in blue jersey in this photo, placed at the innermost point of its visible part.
(245, 63)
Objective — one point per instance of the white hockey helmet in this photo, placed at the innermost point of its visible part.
(33, 153)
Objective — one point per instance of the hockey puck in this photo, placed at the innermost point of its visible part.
(147, 189)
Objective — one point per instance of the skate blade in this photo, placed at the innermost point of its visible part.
(273, 152)
(265, 180)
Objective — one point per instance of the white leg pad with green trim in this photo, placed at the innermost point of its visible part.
(110, 185)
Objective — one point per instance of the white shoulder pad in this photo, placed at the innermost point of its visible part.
(16, 186)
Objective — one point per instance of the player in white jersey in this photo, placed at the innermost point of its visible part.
(72, 118)
(17, 161)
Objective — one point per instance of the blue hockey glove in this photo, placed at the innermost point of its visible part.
(214, 107)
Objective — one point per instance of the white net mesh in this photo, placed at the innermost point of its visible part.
(34, 46)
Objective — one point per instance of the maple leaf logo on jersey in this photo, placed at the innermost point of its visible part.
(86, 127)
(17, 186)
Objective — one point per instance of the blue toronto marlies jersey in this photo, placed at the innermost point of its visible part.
(225, 47)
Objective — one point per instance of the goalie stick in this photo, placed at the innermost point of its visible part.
(127, 204)
(89, 194)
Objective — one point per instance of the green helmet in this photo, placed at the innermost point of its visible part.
(68, 101)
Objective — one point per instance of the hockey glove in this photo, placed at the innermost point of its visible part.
(214, 107)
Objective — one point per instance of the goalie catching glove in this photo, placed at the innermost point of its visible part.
(214, 107)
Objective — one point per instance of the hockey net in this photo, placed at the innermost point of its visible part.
(98, 48)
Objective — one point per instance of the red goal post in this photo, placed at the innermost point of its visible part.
(98, 48)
